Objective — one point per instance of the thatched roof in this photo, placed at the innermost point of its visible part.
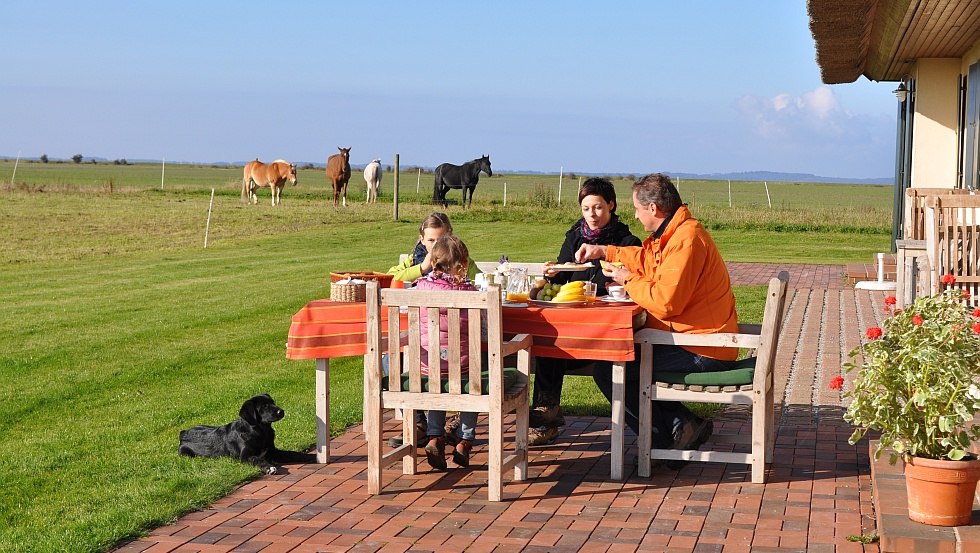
(881, 39)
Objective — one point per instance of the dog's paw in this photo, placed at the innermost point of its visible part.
(270, 470)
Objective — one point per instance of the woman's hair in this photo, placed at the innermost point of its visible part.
(598, 186)
(436, 220)
(450, 255)
(657, 188)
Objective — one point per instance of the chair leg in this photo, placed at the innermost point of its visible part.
(373, 432)
(520, 441)
(410, 460)
(760, 424)
(495, 476)
(644, 440)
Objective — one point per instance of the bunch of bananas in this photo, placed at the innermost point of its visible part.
(570, 291)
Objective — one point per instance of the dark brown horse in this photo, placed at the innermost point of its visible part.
(459, 176)
(338, 171)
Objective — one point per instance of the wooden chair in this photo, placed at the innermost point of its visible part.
(497, 393)
(740, 386)
(953, 242)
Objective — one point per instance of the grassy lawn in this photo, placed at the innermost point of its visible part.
(120, 329)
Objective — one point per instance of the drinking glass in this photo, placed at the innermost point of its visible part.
(518, 286)
(590, 291)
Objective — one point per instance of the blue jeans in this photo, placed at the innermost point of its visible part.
(665, 413)
(436, 426)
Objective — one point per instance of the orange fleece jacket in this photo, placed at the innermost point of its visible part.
(682, 282)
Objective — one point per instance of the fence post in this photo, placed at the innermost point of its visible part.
(15, 169)
(561, 171)
(729, 193)
(505, 194)
(766, 183)
(207, 227)
(394, 191)
(163, 170)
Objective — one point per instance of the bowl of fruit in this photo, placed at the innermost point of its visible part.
(570, 294)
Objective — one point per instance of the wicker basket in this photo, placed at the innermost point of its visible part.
(355, 292)
(348, 292)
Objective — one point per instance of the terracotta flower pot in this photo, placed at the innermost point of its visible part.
(940, 492)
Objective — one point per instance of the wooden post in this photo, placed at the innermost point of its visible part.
(729, 193)
(15, 169)
(163, 170)
(394, 191)
(769, 199)
(207, 227)
(505, 194)
(418, 181)
(561, 170)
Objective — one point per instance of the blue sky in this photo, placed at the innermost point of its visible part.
(628, 87)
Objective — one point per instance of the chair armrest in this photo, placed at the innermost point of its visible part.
(515, 344)
(726, 340)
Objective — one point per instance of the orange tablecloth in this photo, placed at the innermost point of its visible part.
(327, 329)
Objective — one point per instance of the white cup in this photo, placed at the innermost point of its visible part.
(616, 292)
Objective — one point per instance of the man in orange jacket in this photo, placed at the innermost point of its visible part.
(680, 279)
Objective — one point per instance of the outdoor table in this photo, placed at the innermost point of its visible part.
(324, 329)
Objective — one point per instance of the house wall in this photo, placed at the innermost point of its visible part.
(934, 141)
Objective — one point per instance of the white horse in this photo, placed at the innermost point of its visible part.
(372, 176)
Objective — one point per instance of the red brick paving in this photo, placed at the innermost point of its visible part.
(818, 490)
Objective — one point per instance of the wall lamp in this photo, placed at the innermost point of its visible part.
(902, 92)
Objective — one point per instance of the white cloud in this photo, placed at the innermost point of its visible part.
(815, 112)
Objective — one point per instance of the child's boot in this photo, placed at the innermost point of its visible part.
(435, 452)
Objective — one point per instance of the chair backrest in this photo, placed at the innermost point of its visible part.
(953, 242)
(915, 209)
(772, 322)
(446, 312)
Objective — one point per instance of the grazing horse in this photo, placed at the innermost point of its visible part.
(273, 175)
(459, 176)
(338, 171)
(372, 177)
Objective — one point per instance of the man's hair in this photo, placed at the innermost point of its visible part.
(657, 188)
(436, 220)
(598, 186)
(450, 255)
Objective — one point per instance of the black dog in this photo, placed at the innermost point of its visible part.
(250, 439)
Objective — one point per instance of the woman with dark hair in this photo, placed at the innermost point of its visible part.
(599, 225)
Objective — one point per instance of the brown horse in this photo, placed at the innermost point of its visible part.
(338, 171)
(273, 175)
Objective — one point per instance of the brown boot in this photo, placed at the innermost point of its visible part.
(461, 454)
(435, 453)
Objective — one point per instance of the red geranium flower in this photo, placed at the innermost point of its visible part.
(949, 279)
(917, 320)
(873, 333)
(966, 294)
(976, 312)
(837, 382)
(976, 328)
(890, 300)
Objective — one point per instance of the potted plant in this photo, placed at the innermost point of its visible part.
(917, 384)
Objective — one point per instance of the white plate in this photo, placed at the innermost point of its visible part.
(610, 299)
(513, 304)
(543, 303)
(572, 266)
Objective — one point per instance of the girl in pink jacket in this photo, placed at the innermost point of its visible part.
(450, 260)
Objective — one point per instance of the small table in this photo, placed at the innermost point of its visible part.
(324, 329)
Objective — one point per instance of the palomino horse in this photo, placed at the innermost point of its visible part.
(372, 177)
(338, 171)
(459, 176)
(273, 175)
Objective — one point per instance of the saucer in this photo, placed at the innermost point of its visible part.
(610, 299)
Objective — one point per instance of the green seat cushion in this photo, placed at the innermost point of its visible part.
(511, 376)
(740, 375)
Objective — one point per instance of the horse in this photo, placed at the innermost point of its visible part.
(372, 177)
(338, 171)
(273, 175)
(459, 176)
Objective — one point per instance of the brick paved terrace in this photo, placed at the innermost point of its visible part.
(817, 494)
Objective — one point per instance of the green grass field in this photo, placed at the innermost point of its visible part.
(120, 328)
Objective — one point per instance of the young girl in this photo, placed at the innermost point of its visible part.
(416, 264)
(450, 259)
(419, 262)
